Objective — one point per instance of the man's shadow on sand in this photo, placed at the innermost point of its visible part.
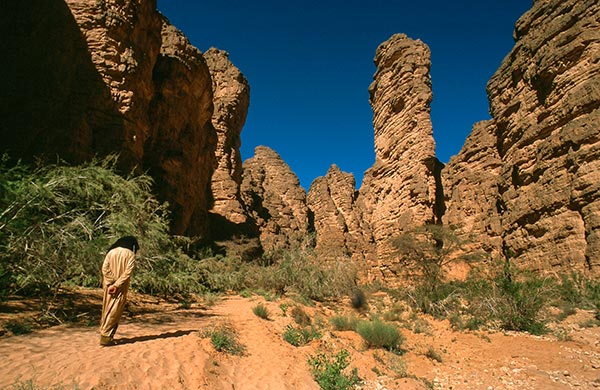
(166, 335)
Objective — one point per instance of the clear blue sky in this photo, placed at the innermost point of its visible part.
(310, 63)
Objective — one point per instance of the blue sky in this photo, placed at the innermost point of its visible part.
(310, 63)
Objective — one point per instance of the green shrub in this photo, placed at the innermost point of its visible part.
(433, 354)
(297, 271)
(18, 327)
(329, 371)
(57, 221)
(520, 304)
(343, 322)
(224, 338)
(298, 336)
(378, 334)
(261, 311)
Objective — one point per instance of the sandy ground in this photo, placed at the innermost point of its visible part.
(163, 346)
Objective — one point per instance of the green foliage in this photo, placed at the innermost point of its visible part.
(328, 371)
(521, 302)
(224, 338)
(344, 322)
(18, 327)
(424, 251)
(261, 311)
(298, 271)
(57, 221)
(378, 334)
(298, 336)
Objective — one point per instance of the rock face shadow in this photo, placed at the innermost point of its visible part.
(53, 100)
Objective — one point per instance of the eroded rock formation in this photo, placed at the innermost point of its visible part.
(524, 185)
(341, 229)
(471, 183)
(90, 78)
(399, 190)
(179, 150)
(545, 100)
(542, 145)
(231, 99)
(275, 200)
(93, 78)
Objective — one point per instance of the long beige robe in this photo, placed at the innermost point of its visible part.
(116, 271)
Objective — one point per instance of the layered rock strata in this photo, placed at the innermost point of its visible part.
(179, 151)
(539, 154)
(545, 100)
(275, 201)
(471, 182)
(400, 190)
(342, 233)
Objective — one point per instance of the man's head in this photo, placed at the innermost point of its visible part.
(128, 242)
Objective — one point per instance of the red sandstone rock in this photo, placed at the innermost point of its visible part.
(275, 200)
(231, 100)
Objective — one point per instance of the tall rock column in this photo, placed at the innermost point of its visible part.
(399, 190)
(231, 99)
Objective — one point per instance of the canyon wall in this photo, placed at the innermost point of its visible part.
(527, 182)
(86, 78)
(94, 78)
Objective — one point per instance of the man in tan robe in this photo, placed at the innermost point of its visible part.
(116, 275)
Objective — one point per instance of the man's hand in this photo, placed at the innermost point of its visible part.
(112, 290)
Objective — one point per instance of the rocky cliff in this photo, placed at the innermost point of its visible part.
(86, 78)
(342, 232)
(89, 78)
(539, 156)
(523, 187)
(275, 201)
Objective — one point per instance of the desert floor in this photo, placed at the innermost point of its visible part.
(162, 345)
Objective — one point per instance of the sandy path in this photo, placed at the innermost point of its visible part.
(163, 349)
(160, 353)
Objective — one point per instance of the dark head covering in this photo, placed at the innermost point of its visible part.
(128, 242)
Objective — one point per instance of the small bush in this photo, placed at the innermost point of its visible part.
(378, 334)
(358, 300)
(520, 304)
(261, 311)
(224, 338)
(283, 307)
(344, 322)
(329, 371)
(300, 316)
(298, 336)
(433, 354)
(57, 221)
(18, 327)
